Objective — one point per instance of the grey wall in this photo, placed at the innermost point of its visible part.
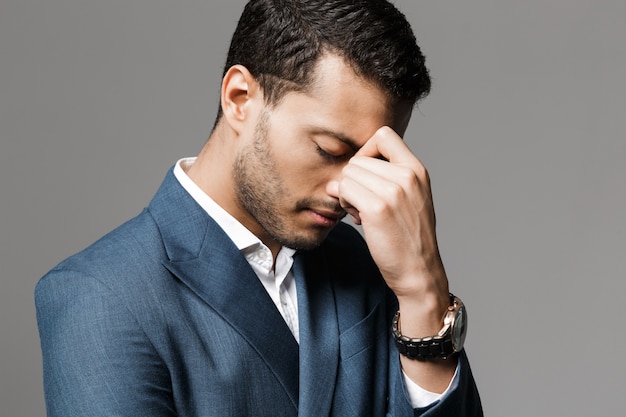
(523, 135)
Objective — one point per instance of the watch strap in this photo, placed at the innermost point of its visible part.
(440, 345)
(421, 348)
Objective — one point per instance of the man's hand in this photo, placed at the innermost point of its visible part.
(391, 199)
(386, 189)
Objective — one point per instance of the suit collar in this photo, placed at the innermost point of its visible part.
(204, 258)
(242, 237)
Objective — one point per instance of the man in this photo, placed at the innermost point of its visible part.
(238, 292)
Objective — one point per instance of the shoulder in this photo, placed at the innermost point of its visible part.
(122, 247)
(118, 284)
(118, 262)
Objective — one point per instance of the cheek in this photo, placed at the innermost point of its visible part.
(310, 180)
(302, 171)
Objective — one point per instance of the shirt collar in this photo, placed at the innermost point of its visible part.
(243, 238)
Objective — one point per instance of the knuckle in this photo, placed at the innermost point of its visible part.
(421, 171)
(420, 175)
(408, 177)
(378, 208)
(391, 196)
(394, 192)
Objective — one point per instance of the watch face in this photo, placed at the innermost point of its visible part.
(460, 329)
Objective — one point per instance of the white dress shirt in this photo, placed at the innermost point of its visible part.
(277, 279)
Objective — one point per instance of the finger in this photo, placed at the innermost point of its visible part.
(378, 181)
(402, 191)
(388, 144)
(411, 178)
(356, 198)
(402, 173)
(333, 189)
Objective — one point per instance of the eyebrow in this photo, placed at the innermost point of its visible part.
(337, 135)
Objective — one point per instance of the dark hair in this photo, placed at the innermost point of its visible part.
(279, 42)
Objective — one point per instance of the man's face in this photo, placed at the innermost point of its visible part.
(298, 146)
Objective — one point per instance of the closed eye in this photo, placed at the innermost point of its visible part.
(330, 156)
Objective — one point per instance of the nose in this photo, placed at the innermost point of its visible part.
(332, 188)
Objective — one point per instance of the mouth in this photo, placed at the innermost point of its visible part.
(326, 218)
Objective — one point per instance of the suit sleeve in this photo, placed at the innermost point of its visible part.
(461, 400)
(97, 360)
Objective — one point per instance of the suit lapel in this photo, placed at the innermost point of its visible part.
(319, 335)
(204, 258)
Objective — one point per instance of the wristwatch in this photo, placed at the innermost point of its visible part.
(448, 341)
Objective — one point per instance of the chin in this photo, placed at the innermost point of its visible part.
(305, 242)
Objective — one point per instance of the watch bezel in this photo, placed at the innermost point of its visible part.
(459, 328)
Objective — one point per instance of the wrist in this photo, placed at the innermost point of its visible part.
(447, 341)
(422, 315)
(421, 285)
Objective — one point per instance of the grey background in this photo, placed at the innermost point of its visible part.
(523, 135)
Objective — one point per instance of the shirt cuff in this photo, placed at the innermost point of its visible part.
(419, 397)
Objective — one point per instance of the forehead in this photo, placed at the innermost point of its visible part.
(340, 101)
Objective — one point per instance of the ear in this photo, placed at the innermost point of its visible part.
(240, 95)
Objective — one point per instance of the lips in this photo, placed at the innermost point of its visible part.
(326, 218)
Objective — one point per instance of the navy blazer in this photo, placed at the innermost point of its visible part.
(164, 317)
